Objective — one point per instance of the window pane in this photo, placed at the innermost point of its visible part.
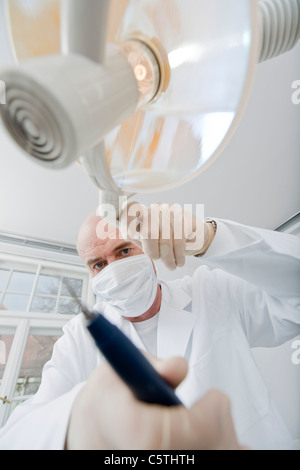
(38, 351)
(43, 304)
(4, 274)
(76, 285)
(21, 282)
(68, 307)
(15, 302)
(47, 285)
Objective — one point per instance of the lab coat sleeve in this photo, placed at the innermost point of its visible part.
(268, 263)
(41, 426)
(41, 423)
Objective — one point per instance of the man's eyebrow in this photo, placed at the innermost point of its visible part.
(122, 246)
(117, 248)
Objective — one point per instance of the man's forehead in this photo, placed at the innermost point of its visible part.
(95, 234)
(100, 249)
(106, 231)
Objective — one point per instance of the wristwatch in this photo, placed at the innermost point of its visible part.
(213, 222)
(205, 247)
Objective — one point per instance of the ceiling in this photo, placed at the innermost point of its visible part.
(255, 181)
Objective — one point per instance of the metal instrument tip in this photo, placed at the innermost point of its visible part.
(89, 314)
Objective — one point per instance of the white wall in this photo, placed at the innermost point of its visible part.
(35, 201)
(256, 182)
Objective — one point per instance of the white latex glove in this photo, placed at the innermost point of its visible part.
(165, 232)
(107, 416)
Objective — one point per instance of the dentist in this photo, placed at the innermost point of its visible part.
(245, 293)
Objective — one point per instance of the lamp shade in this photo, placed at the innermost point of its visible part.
(207, 53)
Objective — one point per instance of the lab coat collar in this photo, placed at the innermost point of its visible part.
(124, 325)
(175, 323)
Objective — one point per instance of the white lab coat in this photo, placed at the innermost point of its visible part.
(245, 293)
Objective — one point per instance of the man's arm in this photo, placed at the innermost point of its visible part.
(267, 259)
(266, 283)
(266, 263)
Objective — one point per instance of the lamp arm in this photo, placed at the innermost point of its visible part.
(279, 27)
(83, 32)
(84, 28)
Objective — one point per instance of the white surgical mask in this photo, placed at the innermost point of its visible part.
(129, 285)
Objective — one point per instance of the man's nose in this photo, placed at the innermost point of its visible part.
(111, 259)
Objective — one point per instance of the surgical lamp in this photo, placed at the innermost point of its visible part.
(145, 94)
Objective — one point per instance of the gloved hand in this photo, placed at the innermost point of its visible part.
(165, 232)
(106, 416)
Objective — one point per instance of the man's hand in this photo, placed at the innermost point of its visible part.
(106, 416)
(165, 232)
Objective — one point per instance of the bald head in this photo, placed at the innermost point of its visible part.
(99, 244)
(94, 231)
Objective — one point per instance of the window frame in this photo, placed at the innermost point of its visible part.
(15, 263)
(23, 324)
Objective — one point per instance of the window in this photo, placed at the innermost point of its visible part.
(26, 344)
(35, 304)
(39, 289)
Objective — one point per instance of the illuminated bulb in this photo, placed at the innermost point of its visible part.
(145, 67)
(140, 73)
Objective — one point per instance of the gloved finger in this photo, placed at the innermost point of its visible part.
(177, 220)
(142, 227)
(167, 217)
(167, 254)
(194, 232)
(167, 251)
(161, 228)
(173, 369)
(151, 248)
(179, 252)
(150, 233)
(131, 221)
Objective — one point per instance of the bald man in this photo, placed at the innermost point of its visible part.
(245, 293)
(99, 245)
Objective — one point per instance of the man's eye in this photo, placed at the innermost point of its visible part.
(99, 266)
(126, 251)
